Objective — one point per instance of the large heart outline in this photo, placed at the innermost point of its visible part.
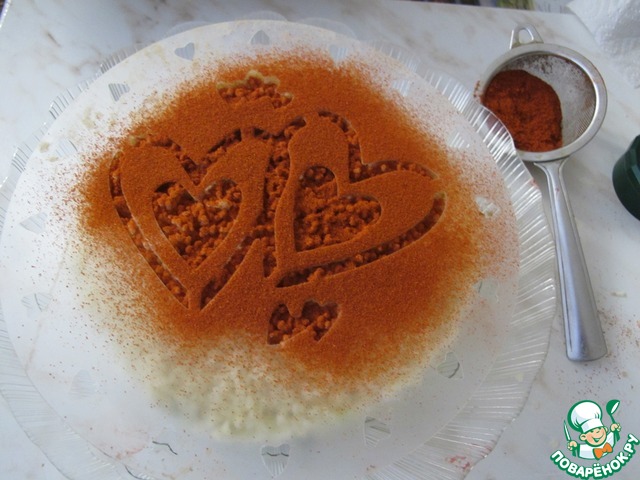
(356, 177)
(283, 261)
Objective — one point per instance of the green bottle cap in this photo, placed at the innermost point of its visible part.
(626, 178)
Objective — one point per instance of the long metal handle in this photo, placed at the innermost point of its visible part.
(583, 332)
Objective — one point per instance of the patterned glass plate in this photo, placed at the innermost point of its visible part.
(60, 381)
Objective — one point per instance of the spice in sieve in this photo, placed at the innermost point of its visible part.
(529, 108)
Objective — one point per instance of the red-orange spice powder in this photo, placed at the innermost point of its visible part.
(326, 278)
(529, 107)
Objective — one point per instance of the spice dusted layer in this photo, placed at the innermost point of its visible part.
(529, 108)
(282, 214)
(197, 224)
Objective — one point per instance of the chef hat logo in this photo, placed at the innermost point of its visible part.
(585, 416)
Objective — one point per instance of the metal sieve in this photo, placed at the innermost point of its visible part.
(583, 101)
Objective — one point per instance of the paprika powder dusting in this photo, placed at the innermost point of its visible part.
(290, 238)
(529, 108)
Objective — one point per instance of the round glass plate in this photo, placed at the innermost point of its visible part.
(93, 421)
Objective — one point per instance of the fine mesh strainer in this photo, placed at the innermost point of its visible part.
(583, 100)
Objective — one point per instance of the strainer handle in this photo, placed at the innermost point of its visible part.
(530, 29)
(583, 333)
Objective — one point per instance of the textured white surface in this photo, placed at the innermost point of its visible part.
(49, 46)
(614, 25)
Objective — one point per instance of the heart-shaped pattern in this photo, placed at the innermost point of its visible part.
(275, 459)
(196, 228)
(187, 52)
(260, 38)
(449, 366)
(375, 431)
(118, 90)
(324, 218)
(253, 87)
(195, 168)
(359, 173)
(314, 318)
(312, 212)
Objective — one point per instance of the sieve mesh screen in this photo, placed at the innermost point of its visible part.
(573, 87)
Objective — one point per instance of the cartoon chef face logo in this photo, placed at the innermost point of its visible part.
(605, 453)
(585, 417)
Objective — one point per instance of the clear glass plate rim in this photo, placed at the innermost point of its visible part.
(498, 141)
